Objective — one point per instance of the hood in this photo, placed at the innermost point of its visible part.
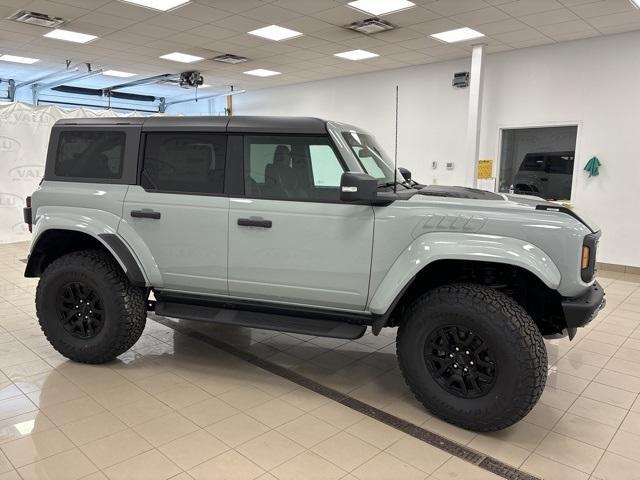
(507, 200)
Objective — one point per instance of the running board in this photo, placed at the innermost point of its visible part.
(267, 321)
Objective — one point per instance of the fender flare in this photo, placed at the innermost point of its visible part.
(432, 247)
(99, 225)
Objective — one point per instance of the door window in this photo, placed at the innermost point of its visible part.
(292, 168)
(184, 162)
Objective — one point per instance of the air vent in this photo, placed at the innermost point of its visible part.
(229, 58)
(370, 26)
(39, 19)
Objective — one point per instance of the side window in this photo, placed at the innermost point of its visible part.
(184, 162)
(291, 167)
(90, 154)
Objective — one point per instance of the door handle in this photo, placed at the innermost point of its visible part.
(145, 214)
(254, 222)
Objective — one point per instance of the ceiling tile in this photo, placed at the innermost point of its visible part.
(527, 7)
(340, 15)
(448, 7)
(565, 37)
(270, 14)
(305, 6)
(503, 26)
(239, 23)
(174, 22)
(436, 26)
(523, 35)
(565, 27)
(550, 17)
(212, 32)
(202, 13)
(478, 17)
(234, 6)
(420, 43)
(603, 7)
(55, 9)
(411, 16)
(121, 9)
(106, 20)
(615, 19)
(399, 35)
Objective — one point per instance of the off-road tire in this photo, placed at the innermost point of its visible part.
(511, 336)
(124, 306)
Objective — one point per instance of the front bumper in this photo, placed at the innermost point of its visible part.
(579, 311)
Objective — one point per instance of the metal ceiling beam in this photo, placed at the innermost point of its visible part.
(144, 81)
(38, 87)
(206, 97)
(74, 68)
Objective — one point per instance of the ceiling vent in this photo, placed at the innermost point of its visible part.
(371, 26)
(39, 19)
(229, 58)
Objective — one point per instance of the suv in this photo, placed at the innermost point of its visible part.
(306, 224)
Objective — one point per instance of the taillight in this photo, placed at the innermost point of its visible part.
(27, 214)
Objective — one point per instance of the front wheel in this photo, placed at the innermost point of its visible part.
(472, 356)
(87, 308)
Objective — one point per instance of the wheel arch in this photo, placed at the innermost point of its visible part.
(52, 243)
(436, 259)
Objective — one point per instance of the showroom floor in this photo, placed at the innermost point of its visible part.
(185, 403)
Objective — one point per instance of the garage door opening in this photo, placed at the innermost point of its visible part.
(538, 161)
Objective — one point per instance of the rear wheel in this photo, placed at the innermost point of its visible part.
(472, 356)
(87, 308)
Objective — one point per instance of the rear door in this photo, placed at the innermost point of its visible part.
(179, 210)
(290, 238)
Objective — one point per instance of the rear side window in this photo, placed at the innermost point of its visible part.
(184, 162)
(90, 154)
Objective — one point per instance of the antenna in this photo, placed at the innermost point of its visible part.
(395, 153)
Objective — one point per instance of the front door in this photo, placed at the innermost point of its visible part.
(180, 212)
(290, 238)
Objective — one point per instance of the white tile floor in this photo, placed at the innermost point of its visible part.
(174, 407)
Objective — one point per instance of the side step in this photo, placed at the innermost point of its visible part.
(266, 321)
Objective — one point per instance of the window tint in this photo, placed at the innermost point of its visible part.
(86, 154)
(184, 162)
(560, 164)
(297, 168)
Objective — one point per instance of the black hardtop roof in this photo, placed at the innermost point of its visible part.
(239, 124)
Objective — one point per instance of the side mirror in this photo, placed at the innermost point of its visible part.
(406, 174)
(358, 188)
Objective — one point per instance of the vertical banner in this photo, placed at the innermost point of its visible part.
(24, 139)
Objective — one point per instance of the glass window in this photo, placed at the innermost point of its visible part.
(538, 161)
(291, 167)
(370, 156)
(87, 154)
(184, 162)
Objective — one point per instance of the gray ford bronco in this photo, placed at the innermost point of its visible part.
(305, 224)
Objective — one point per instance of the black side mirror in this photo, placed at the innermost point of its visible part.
(406, 174)
(358, 188)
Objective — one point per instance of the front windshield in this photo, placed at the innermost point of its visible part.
(371, 157)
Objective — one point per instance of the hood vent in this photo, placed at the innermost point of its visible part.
(39, 19)
(370, 26)
(229, 58)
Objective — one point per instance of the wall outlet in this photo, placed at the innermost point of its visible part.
(450, 165)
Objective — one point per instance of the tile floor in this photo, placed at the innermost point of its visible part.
(174, 407)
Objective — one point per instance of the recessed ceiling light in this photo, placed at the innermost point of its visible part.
(356, 55)
(162, 5)
(69, 36)
(274, 32)
(457, 35)
(16, 59)
(204, 85)
(381, 7)
(118, 73)
(262, 72)
(181, 57)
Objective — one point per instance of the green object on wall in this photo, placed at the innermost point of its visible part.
(593, 167)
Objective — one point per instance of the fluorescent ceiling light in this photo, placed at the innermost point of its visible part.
(274, 32)
(381, 7)
(635, 3)
(457, 35)
(16, 59)
(181, 57)
(69, 36)
(204, 85)
(261, 72)
(118, 73)
(356, 55)
(162, 5)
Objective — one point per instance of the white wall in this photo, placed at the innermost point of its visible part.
(591, 82)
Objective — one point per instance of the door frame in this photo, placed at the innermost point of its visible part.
(568, 123)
